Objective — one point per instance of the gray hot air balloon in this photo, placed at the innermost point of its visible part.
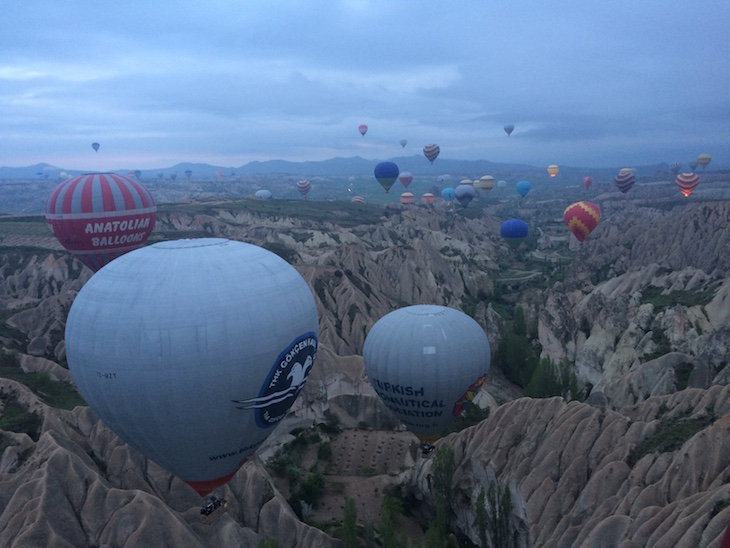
(426, 363)
(192, 351)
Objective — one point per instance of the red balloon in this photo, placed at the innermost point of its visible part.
(581, 218)
(363, 129)
(587, 182)
(100, 216)
(687, 182)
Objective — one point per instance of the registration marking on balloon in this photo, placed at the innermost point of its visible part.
(283, 384)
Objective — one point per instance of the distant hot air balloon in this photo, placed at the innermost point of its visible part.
(304, 186)
(358, 199)
(523, 187)
(403, 142)
(464, 194)
(158, 346)
(95, 146)
(160, 174)
(553, 170)
(426, 363)
(428, 198)
(501, 183)
(467, 182)
(431, 152)
(63, 176)
(625, 180)
(138, 174)
(188, 173)
(448, 194)
(675, 167)
(587, 182)
(407, 198)
(386, 173)
(687, 182)
(704, 160)
(581, 218)
(173, 175)
(693, 164)
(263, 194)
(363, 129)
(509, 128)
(485, 182)
(514, 231)
(406, 177)
(100, 216)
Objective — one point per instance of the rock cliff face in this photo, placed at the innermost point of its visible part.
(641, 316)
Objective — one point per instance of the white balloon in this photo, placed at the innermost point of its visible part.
(193, 350)
(426, 362)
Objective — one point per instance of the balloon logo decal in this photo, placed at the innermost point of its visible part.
(468, 396)
(286, 379)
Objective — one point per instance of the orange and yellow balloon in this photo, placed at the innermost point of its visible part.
(581, 218)
(687, 182)
(553, 170)
(704, 160)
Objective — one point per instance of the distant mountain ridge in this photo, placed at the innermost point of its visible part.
(354, 166)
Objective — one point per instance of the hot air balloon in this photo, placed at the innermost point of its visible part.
(427, 363)
(523, 187)
(431, 152)
(304, 186)
(704, 160)
(403, 142)
(428, 198)
(501, 183)
(553, 170)
(581, 218)
(465, 194)
(63, 176)
(188, 173)
(95, 146)
(363, 129)
(263, 194)
(406, 177)
(448, 194)
(485, 182)
(100, 216)
(675, 167)
(158, 346)
(514, 231)
(693, 164)
(407, 198)
(508, 129)
(386, 173)
(358, 199)
(687, 182)
(138, 174)
(625, 180)
(219, 173)
(173, 175)
(587, 182)
(467, 182)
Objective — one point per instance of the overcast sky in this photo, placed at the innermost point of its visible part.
(586, 83)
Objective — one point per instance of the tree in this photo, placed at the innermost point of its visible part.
(498, 514)
(481, 517)
(349, 526)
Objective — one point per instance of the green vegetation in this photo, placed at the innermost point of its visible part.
(59, 394)
(16, 418)
(653, 295)
(268, 543)
(473, 414)
(682, 371)
(669, 436)
(499, 508)
(348, 533)
(550, 380)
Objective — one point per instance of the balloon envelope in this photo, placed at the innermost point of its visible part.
(95, 146)
(358, 199)
(100, 216)
(687, 182)
(263, 194)
(403, 142)
(426, 363)
(431, 152)
(625, 180)
(523, 187)
(704, 160)
(465, 194)
(514, 228)
(509, 128)
(581, 218)
(406, 177)
(675, 167)
(428, 198)
(304, 186)
(448, 194)
(553, 170)
(363, 129)
(192, 351)
(407, 198)
(485, 182)
(386, 173)
(587, 182)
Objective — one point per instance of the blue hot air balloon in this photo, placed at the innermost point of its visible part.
(448, 194)
(192, 351)
(386, 173)
(263, 194)
(514, 231)
(426, 362)
(523, 187)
